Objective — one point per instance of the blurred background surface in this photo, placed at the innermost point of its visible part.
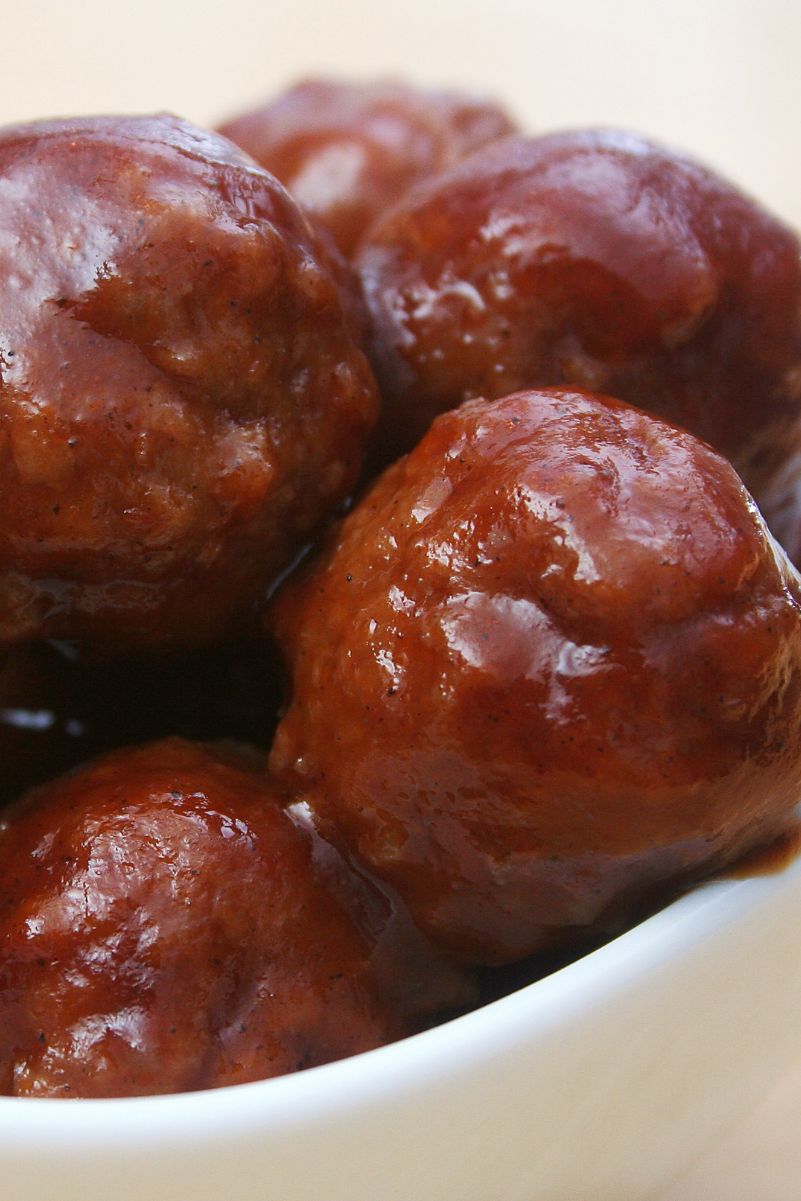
(718, 77)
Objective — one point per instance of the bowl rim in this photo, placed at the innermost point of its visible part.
(448, 1053)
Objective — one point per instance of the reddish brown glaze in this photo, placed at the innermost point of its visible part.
(181, 399)
(165, 925)
(347, 151)
(599, 260)
(550, 663)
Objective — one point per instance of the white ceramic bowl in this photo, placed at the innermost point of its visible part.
(598, 1083)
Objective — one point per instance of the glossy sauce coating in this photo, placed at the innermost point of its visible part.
(181, 397)
(600, 260)
(165, 925)
(347, 151)
(548, 665)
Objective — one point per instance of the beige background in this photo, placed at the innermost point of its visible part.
(719, 77)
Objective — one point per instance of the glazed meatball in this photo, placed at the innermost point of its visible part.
(181, 396)
(599, 260)
(165, 925)
(347, 151)
(550, 664)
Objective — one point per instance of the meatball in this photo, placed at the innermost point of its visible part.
(165, 925)
(548, 666)
(347, 151)
(181, 396)
(596, 260)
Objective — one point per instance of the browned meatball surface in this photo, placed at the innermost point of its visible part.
(181, 400)
(599, 260)
(165, 925)
(551, 662)
(347, 151)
